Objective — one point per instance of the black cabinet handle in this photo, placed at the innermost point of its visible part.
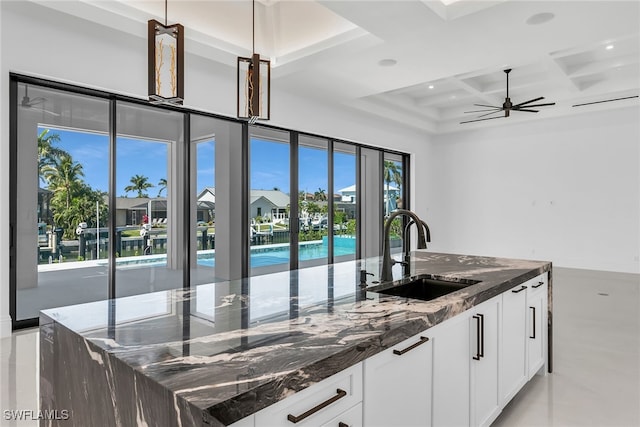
(341, 424)
(534, 324)
(538, 285)
(411, 347)
(522, 288)
(482, 335)
(295, 419)
(477, 356)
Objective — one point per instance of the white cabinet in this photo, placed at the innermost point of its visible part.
(485, 399)
(537, 322)
(524, 335)
(460, 372)
(465, 367)
(397, 385)
(451, 354)
(245, 422)
(318, 404)
(514, 344)
(349, 418)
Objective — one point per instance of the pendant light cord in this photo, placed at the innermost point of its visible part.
(165, 13)
(253, 22)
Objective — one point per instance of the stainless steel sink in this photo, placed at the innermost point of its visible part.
(424, 287)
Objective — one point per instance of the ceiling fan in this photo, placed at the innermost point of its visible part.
(507, 106)
(28, 103)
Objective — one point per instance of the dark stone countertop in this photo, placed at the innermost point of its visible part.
(250, 343)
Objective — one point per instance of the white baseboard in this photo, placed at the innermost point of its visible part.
(5, 326)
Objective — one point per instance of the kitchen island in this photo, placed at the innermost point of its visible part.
(218, 353)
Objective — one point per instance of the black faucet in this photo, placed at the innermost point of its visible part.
(387, 261)
(405, 241)
(363, 277)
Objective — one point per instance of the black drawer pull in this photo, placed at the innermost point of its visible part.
(341, 424)
(478, 352)
(538, 285)
(482, 337)
(522, 288)
(340, 394)
(533, 337)
(411, 347)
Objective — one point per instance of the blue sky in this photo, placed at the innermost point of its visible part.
(269, 163)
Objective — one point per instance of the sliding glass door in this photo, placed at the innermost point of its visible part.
(345, 212)
(393, 191)
(269, 200)
(314, 198)
(215, 198)
(149, 184)
(60, 178)
(113, 197)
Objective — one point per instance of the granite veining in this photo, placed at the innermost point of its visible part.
(212, 355)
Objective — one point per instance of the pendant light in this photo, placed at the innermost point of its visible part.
(254, 83)
(165, 61)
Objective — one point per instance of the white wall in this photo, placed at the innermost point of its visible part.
(561, 189)
(40, 41)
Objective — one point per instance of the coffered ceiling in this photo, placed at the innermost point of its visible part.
(423, 63)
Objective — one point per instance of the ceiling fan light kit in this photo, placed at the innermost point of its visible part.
(507, 106)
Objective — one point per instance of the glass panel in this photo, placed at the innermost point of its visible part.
(204, 195)
(149, 187)
(214, 235)
(313, 201)
(269, 201)
(344, 210)
(62, 211)
(393, 186)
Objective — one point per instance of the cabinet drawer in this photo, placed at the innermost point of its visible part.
(245, 422)
(538, 285)
(350, 418)
(318, 404)
(399, 377)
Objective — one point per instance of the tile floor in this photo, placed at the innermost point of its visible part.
(596, 379)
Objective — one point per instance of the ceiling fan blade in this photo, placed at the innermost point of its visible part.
(479, 120)
(36, 101)
(529, 101)
(488, 114)
(606, 100)
(540, 105)
(528, 111)
(482, 111)
(50, 113)
(488, 106)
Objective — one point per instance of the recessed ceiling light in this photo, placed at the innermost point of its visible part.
(430, 86)
(540, 18)
(387, 62)
(609, 47)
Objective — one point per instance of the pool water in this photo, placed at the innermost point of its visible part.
(262, 256)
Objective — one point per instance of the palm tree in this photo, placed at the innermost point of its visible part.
(162, 184)
(47, 153)
(320, 195)
(64, 176)
(391, 174)
(139, 183)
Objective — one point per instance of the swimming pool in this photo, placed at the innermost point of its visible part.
(260, 256)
